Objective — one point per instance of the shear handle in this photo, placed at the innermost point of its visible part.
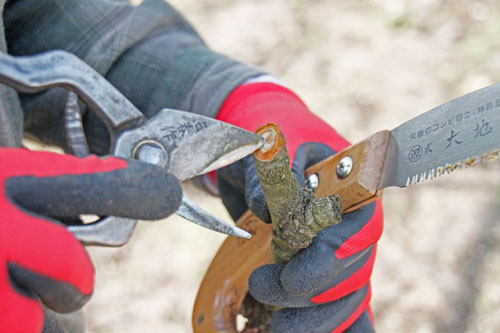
(32, 74)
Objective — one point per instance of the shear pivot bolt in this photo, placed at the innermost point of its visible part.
(151, 152)
(344, 167)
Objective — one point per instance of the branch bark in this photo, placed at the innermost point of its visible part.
(297, 214)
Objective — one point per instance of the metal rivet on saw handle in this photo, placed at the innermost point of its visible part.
(344, 167)
(312, 182)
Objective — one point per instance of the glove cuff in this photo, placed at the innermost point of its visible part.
(252, 105)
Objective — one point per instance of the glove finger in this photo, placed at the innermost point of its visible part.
(140, 191)
(59, 296)
(359, 229)
(308, 154)
(335, 316)
(328, 279)
(349, 280)
(264, 286)
(270, 284)
(351, 224)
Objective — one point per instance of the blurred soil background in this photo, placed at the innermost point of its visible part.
(363, 66)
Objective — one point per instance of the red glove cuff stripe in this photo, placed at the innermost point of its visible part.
(355, 282)
(368, 235)
(252, 105)
(359, 311)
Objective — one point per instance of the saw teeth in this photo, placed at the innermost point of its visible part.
(449, 168)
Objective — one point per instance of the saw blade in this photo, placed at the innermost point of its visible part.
(460, 133)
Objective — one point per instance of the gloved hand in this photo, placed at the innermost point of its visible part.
(40, 260)
(326, 286)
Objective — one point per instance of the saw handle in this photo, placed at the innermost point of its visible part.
(360, 186)
(225, 284)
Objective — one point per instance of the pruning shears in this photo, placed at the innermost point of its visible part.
(185, 144)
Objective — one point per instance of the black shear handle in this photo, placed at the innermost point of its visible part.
(32, 74)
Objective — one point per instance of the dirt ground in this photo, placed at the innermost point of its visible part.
(362, 66)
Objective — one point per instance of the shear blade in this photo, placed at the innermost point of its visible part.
(193, 213)
(229, 145)
(192, 144)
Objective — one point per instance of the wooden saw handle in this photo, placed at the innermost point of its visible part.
(225, 284)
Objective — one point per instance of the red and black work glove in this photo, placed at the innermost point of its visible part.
(40, 260)
(325, 287)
